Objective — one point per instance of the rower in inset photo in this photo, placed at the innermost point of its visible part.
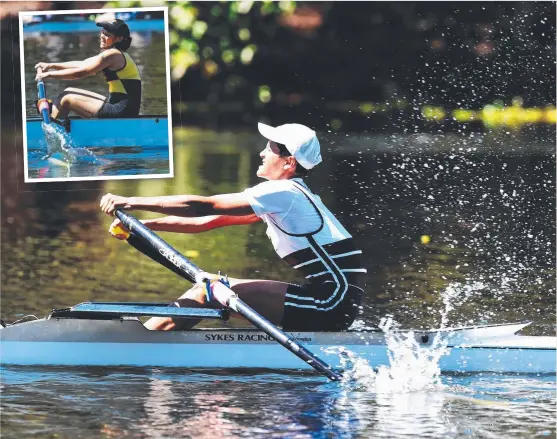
(96, 93)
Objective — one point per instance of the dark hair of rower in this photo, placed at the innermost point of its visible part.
(283, 152)
(124, 44)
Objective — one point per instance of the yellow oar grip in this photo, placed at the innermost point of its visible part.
(119, 232)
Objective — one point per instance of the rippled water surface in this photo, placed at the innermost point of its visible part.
(154, 403)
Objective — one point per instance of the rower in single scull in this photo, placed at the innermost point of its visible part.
(119, 69)
(303, 232)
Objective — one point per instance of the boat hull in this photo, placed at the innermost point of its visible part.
(126, 342)
(141, 131)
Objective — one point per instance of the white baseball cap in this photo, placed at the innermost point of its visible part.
(300, 141)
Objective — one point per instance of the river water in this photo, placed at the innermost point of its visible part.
(465, 219)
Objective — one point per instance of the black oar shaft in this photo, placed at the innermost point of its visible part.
(139, 244)
(285, 340)
(153, 245)
(158, 249)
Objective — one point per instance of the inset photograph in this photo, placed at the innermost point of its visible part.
(96, 93)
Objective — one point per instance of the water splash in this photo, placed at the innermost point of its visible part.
(455, 295)
(61, 149)
(412, 367)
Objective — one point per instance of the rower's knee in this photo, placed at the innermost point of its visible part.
(160, 324)
(69, 94)
(63, 100)
(195, 296)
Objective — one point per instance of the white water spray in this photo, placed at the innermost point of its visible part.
(61, 148)
(412, 367)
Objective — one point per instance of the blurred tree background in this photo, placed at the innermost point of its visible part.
(324, 60)
(354, 65)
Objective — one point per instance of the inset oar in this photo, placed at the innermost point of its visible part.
(155, 247)
(42, 103)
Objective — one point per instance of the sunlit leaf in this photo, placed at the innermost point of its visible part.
(210, 68)
(189, 45)
(198, 29)
(180, 61)
(287, 7)
(246, 56)
(174, 37)
(264, 93)
(244, 34)
(228, 56)
(268, 7)
(244, 6)
(183, 17)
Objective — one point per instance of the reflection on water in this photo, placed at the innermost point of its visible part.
(151, 403)
(489, 217)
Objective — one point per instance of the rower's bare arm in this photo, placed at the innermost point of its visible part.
(80, 69)
(181, 205)
(200, 224)
(45, 67)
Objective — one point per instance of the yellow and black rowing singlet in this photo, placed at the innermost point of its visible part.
(124, 88)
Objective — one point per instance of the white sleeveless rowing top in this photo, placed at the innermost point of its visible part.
(305, 234)
(283, 204)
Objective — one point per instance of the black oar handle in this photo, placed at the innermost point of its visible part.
(153, 244)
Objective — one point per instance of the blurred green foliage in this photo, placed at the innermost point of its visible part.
(217, 35)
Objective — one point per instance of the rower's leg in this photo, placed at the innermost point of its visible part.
(264, 296)
(193, 298)
(82, 102)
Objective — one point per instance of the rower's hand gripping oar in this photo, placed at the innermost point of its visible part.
(223, 294)
(42, 104)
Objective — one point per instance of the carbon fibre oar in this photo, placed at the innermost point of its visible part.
(42, 103)
(224, 295)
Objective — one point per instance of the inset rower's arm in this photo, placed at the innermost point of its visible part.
(82, 69)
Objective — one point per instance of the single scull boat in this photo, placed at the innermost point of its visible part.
(109, 334)
(141, 131)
